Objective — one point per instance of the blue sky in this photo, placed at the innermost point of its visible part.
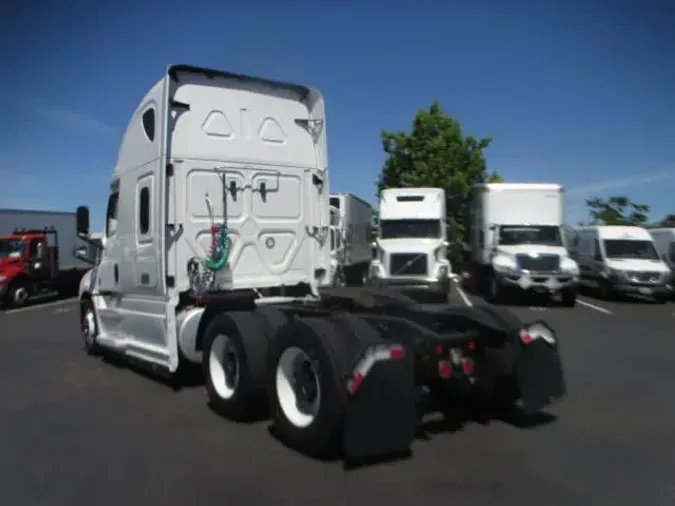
(581, 93)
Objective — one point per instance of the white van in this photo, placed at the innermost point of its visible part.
(621, 260)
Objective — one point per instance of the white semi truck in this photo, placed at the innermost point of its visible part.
(351, 239)
(411, 247)
(216, 241)
(517, 242)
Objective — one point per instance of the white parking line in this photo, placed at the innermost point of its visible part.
(593, 306)
(464, 296)
(41, 306)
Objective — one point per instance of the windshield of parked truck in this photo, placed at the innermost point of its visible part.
(12, 248)
(407, 229)
(630, 248)
(510, 235)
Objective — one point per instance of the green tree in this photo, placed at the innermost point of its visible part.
(668, 221)
(495, 177)
(617, 211)
(436, 153)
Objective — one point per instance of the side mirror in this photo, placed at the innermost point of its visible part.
(374, 244)
(446, 243)
(83, 253)
(492, 227)
(82, 220)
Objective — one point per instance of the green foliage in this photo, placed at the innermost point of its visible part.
(668, 221)
(616, 211)
(436, 154)
(495, 177)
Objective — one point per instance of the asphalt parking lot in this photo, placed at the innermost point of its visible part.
(76, 430)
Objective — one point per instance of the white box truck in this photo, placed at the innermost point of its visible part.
(517, 242)
(411, 246)
(351, 239)
(37, 255)
(216, 241)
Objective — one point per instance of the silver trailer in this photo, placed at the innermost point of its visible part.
(351, 239)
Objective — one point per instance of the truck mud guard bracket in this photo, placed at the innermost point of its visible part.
(380, 417)
(538, 368)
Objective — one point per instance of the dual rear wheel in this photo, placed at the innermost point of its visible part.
(259, 363)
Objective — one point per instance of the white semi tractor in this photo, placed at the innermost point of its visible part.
(216, 242)
(411, 246)
(517, 242)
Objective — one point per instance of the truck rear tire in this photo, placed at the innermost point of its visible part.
(606, 291)
(308, 361)
(234, 351)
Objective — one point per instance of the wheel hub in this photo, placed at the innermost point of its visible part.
(305, 382)
(298, 389)
(20, 295)
(230, 365)
(89, 326)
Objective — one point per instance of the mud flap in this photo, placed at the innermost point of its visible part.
(380, 417)
(540, 375)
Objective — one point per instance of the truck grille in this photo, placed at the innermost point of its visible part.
(407, 264)
(646, 277)
(541, 263)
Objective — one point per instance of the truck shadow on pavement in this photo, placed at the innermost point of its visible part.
(435, 423)
(432, 421)
(455, 419)
(187, 377)
(38, 301)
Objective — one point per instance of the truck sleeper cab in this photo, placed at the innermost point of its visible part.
(411, 246)
(216, 242)
(621, 260)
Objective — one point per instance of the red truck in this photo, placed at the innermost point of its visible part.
(37, 261)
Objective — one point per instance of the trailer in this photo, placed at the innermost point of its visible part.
(217, 239)
(37, 255)
(351, 239)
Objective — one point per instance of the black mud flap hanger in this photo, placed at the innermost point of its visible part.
(380, 416)
(539, 369)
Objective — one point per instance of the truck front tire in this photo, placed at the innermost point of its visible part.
(569, 297)
(493, 291)
(89, 327)
(18, 294)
